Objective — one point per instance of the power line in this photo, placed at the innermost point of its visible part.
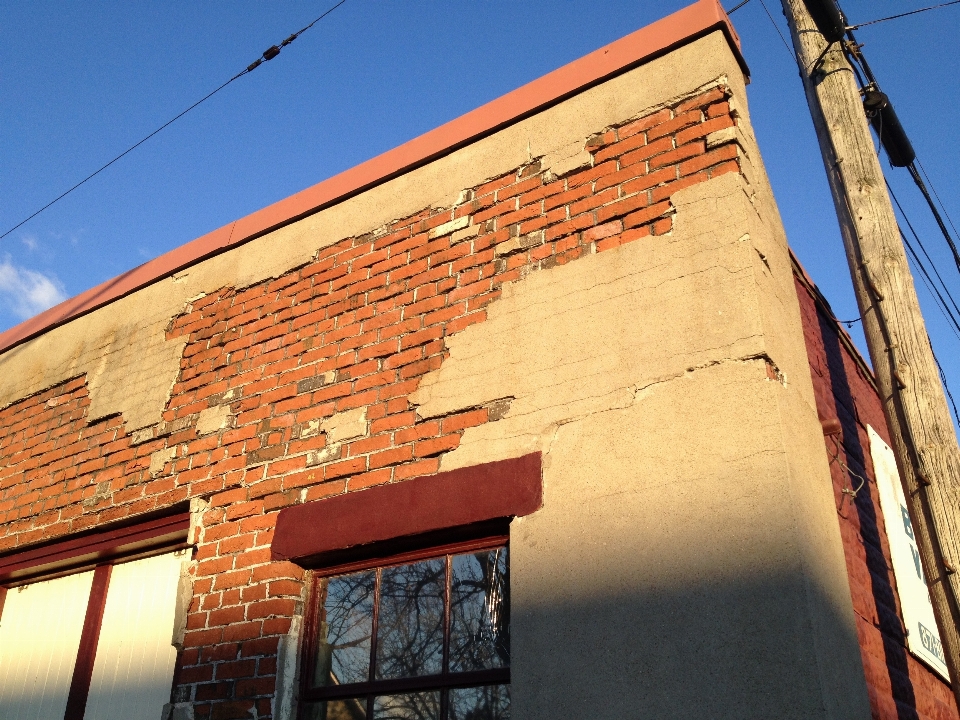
(777, 28)
(739, 5)
(943, 379)
(937, 195)
(938, 299)
(903, 214)
(912, 12)
(268, 54)
(936, 213)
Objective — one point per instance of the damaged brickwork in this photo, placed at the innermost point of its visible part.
(299, 387)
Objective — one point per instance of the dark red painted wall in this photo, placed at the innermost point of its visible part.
(900, 686)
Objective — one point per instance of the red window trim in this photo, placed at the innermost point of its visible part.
(428, 550)
(81, 552)
(317, 532)
(444, 681)
(89, 639)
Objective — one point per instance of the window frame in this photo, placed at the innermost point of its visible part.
(442, 682)
(98, 549)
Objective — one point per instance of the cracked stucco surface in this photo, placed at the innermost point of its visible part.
(688, 539)
(122, 348)
(585, 337)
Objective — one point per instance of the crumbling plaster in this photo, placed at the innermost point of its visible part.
(688, 540)
(122, 347)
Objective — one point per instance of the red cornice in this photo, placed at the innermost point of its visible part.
(682, 27)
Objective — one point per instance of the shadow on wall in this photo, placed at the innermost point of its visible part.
(709, 650)
(865, 507)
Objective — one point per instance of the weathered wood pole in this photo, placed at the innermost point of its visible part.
(921, 429)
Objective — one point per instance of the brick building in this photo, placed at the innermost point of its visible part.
(524, 418)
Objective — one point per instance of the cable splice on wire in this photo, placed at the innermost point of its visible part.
(739, 5)
(892, 137)
(268, 54)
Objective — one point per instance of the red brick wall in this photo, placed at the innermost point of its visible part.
(357, 327)
(900, 686)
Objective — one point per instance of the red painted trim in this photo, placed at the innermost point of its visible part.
(682, 27)
(95, 547)
(89, 638)
(3, 598)
(507, 488)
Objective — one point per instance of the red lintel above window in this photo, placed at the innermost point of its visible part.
(503, 489)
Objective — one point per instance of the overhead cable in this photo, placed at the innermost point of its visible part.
(938, 298)
(782, 38)
(937, 195)
(943, 379)
(912, 12)
(268, 54)
(739, 5)
(936, 213)
(933, 265)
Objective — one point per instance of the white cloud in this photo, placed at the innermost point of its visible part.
(28, 292)
(30, 241)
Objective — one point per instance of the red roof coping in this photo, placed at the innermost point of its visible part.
(654, 40)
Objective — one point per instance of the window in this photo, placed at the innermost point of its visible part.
(93, 640)
(421, 637)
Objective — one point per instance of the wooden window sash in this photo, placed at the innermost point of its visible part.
(443, 681)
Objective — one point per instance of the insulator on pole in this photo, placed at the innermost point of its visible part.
(887, 125)
(828, 18)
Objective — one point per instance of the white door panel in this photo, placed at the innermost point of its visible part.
(39, 637)
(133, 671)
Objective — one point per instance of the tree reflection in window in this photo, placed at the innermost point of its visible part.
(426, 640)
(410, 626)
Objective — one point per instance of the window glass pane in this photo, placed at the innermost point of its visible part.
(39, 636)
(480, 703)
(344, 629)
(135, 660)
(351, 709)
(480, 611)
(409, 706)
(410, 626)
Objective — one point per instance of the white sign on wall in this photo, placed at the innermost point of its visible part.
(923, 639)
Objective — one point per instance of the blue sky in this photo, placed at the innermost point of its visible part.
(83, 81)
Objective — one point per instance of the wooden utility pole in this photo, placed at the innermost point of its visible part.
(922, 432)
